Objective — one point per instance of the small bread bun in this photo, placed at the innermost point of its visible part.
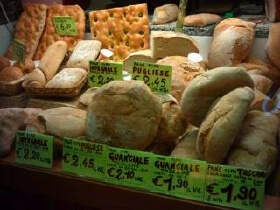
(4, 62)
(10, 73)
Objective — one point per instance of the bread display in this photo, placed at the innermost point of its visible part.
(141, 55)
(204, 89)
(67, 78)
(35, 79)
(261, 83)
(50, 36)
(165, 14)
(52, 58)
(121, 30)
(124, 114)
(220, 127)
(232, 41)
(85, 51)
(272, 47)
(29, 28)
(11, 73)
(177, 44)
(201, 19)
(256, 145)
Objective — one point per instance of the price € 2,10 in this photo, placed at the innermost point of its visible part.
(120, 174)
(76, 161)
(28, 154)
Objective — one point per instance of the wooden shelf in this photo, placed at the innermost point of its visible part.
(57, 185)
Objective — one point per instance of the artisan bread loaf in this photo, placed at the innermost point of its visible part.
(219, 129)
(203, 90)
(86, 97)
(232, 42)
(261, 83)
(85, 51)
(124, 114)
(10, 73)
(169, 43)
(4, 62)
(201, 20)
(256, 145)
(272, 47)
(67, 78)
(27, 67)
(35, 79)
(52, 58)
(262, 102)
(165, 14)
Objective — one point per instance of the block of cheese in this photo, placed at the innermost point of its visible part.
(121, 30)
(50, 36)
(141, 55)
(165, 14)
(169, 43)
(29, 28)
(85, 51)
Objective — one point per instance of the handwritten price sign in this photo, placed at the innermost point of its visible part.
(157, 77)
(101, 73)
(128, 167)
(84, 158)
(19, 49)
(234, 187)
(65, 26)
(179, 177)
(34, 149)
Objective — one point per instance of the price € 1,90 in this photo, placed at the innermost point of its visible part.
(100, 79)
(76, 161)
(120, 174)
(28, 154)
(155, 84)
(245, 193)
(171, 185)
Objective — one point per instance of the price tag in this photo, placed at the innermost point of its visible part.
(179, 177)
(65, 26)
(128, 167)
(101, 73)
(84, 158)
(19, 49)
(34, 149)
(234, 187)
(157, 77)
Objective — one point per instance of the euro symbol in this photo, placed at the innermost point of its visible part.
(65, 158)
(18, 152)
(210, 189)
(156, 180)
(110, 171)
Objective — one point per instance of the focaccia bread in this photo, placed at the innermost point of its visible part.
(232, 42)
(49, 36)
(85, 51)
(255, 145)
(29, 28)
(201, 20)
(67, 78)
(219, 129)
(121, 30)
(165, 14)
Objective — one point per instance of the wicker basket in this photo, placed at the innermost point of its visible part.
(56, 92)
(11, 88)
(15, 101)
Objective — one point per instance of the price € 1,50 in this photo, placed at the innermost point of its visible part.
(76, 161)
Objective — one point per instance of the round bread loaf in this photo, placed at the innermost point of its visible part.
(28, 66)
(4, 62)
(10, 73)
(123, 114)
(219, 129)
(203, 90)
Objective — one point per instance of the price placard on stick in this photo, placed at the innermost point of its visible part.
(19, 49)
(84, 158)
(128, 167)
(234, 187)
(101, 73)
(157, 77)
(65, 25)
(34, 149)
(178, 177)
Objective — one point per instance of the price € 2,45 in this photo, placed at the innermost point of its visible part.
(155, 84)
(28, 154)
(76, 161)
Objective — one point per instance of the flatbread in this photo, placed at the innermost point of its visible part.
(49, 36)
(122, 30)
(29, 28)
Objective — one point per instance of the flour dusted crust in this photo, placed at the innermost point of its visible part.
(122, 30)
(29, 28)
(201, 20)
(49, 36)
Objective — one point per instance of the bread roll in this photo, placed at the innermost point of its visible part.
(160, 148)
(272, 46)
(35, 79)
(207, 87)
(124, 114)
(67, 78)
(28, 66)
(52, 59)
(4, 62)
(219, 129)
(261, 83)
(201, 20)
(165, 14)
(256, 145)
(10, 73)
(262, 102)
(86, 97)
(232, 41)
